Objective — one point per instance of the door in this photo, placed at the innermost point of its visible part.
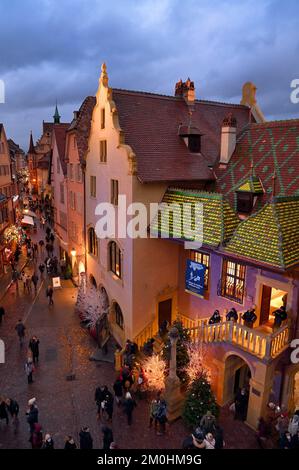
(265, 304)
(165, 311)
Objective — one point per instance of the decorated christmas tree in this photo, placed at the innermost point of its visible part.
(182, 355)
(199, 400)
(154, 369)
(91, 304)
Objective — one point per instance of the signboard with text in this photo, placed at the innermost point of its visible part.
(195, 278)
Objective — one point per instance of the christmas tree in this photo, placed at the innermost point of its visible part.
(182, 356)
(91, 304)
(199, 400)
(154, 369)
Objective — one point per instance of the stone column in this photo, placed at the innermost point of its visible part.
(173, 395)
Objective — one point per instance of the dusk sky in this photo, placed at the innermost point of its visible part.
(53, 49)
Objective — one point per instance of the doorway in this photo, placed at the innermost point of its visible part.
(164, 311)
(272, 299)
(242, 378)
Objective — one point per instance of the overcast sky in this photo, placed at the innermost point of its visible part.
(53, 49)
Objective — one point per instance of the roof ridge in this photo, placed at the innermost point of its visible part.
(175, 98)
(207, 194)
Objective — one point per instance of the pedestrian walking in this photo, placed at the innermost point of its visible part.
(32, 414)
(2, 313)
(86, 441)
(13, 408)
(41, 269)
(36, 437)
(28, 283)
(34, 347)
(294, 425)
(129, 405)
(49, 294)
(154, 406)
(29, 368)
(162, 417)
(3, 410)
(118, 390)
(34, 280)
(23, 279)
(208, 423)
(109, 405)
(48, 442)
(70, 443)
(20, 329)
(107, 437)
(100, 396)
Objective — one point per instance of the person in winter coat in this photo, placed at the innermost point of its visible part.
(13, 408)
(208, 422)
(209, 441)
(109, 405)
(107, 437)
(215, 318)
(232, 315)
(36, 437)
(34, 280)
(154, 407)
(100, 397)
(294, 425)
(20, 329)
(29, 368)
(295, 441)
(32, 414)
(279, 316)
(3, 410)
(49, 294)
(70, 443)
(118, 390)
(129, 405)
(241, 403)
(249, 317)
(34, 347)
(282, 425)
(285, 441)
(86, 441)
(48, 442)
(195, 441)
(162, 417)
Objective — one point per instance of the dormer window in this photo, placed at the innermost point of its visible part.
(194, 143)
(192, 138)
(248, 193)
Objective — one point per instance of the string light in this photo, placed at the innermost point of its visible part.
(196, 366)
(154, 368)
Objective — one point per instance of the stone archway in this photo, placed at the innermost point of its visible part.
(237, 375)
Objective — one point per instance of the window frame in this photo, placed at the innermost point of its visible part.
(103, 151)
(198, 257)
(119, 317)
(92, 242)
(237, 275)
(114, 190)
(93, 186)
(115, 259)
(103, 118)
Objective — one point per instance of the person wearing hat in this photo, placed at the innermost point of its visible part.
(195, 441)
(208, 422)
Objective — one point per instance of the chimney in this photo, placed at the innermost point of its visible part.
(228, 138)
(185, 90)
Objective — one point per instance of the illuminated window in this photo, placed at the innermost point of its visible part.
(115, 259)
(202, 258)
(233, 280)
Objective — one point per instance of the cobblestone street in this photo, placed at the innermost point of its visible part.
(65, 406)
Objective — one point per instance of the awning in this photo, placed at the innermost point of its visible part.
(27, 220)
(30, 213)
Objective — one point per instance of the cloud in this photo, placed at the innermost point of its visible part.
(53, 50)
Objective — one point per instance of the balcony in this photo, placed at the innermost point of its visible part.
(264, 345)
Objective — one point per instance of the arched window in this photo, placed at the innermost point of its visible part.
(92, 242)
(119, 319)
(115, 259)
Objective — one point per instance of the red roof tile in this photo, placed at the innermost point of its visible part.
(150, 123)
(81, 125)
(271, 147)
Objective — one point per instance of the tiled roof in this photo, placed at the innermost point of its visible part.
(271, 147)
(251, 185)
(151, 122)
(219, 220)
(271, 235)
(48, 126)
(82, 125)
